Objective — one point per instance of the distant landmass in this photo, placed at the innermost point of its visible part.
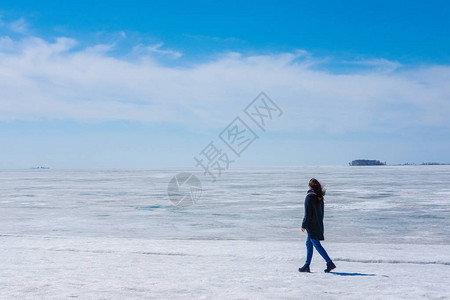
(40, 168)
(366, 162)
(423, 164)
(373, 162)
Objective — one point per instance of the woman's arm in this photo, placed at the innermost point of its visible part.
(308, 213)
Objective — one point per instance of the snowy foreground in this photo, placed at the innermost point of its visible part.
(114, 234)
(40, 267)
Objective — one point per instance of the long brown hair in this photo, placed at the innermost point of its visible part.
(317, 188)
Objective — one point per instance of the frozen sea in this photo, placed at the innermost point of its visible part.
(114, 234)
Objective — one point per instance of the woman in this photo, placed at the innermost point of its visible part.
(313, 224)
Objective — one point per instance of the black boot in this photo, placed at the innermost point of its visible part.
(305, 268)
(330, 266)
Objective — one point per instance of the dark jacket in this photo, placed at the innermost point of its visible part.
(313, 219)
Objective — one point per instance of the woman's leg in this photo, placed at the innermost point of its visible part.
(320, 249)
(309, 250)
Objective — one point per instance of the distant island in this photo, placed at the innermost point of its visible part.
(423, 164)
(40, 168)
(366, 162)
(373, 162)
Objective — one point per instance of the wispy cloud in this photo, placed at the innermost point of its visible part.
(157, 49)
(212, 38)
(380, 64)
(19, 26)
(41, 79)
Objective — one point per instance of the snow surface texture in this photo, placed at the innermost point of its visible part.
(120, 268)
(113, 234)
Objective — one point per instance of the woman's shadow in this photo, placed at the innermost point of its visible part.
(355, 274)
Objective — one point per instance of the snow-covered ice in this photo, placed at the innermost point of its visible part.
(120, 268)
(113, 234)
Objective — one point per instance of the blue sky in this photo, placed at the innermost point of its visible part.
(134, 84)
(405, 31)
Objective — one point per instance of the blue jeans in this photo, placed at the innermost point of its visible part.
(309, 250)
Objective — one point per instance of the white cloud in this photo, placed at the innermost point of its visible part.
(380, 64)
(55, 80)
(158, 50)
(212, 38)
(6, 43)
(19, 26)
